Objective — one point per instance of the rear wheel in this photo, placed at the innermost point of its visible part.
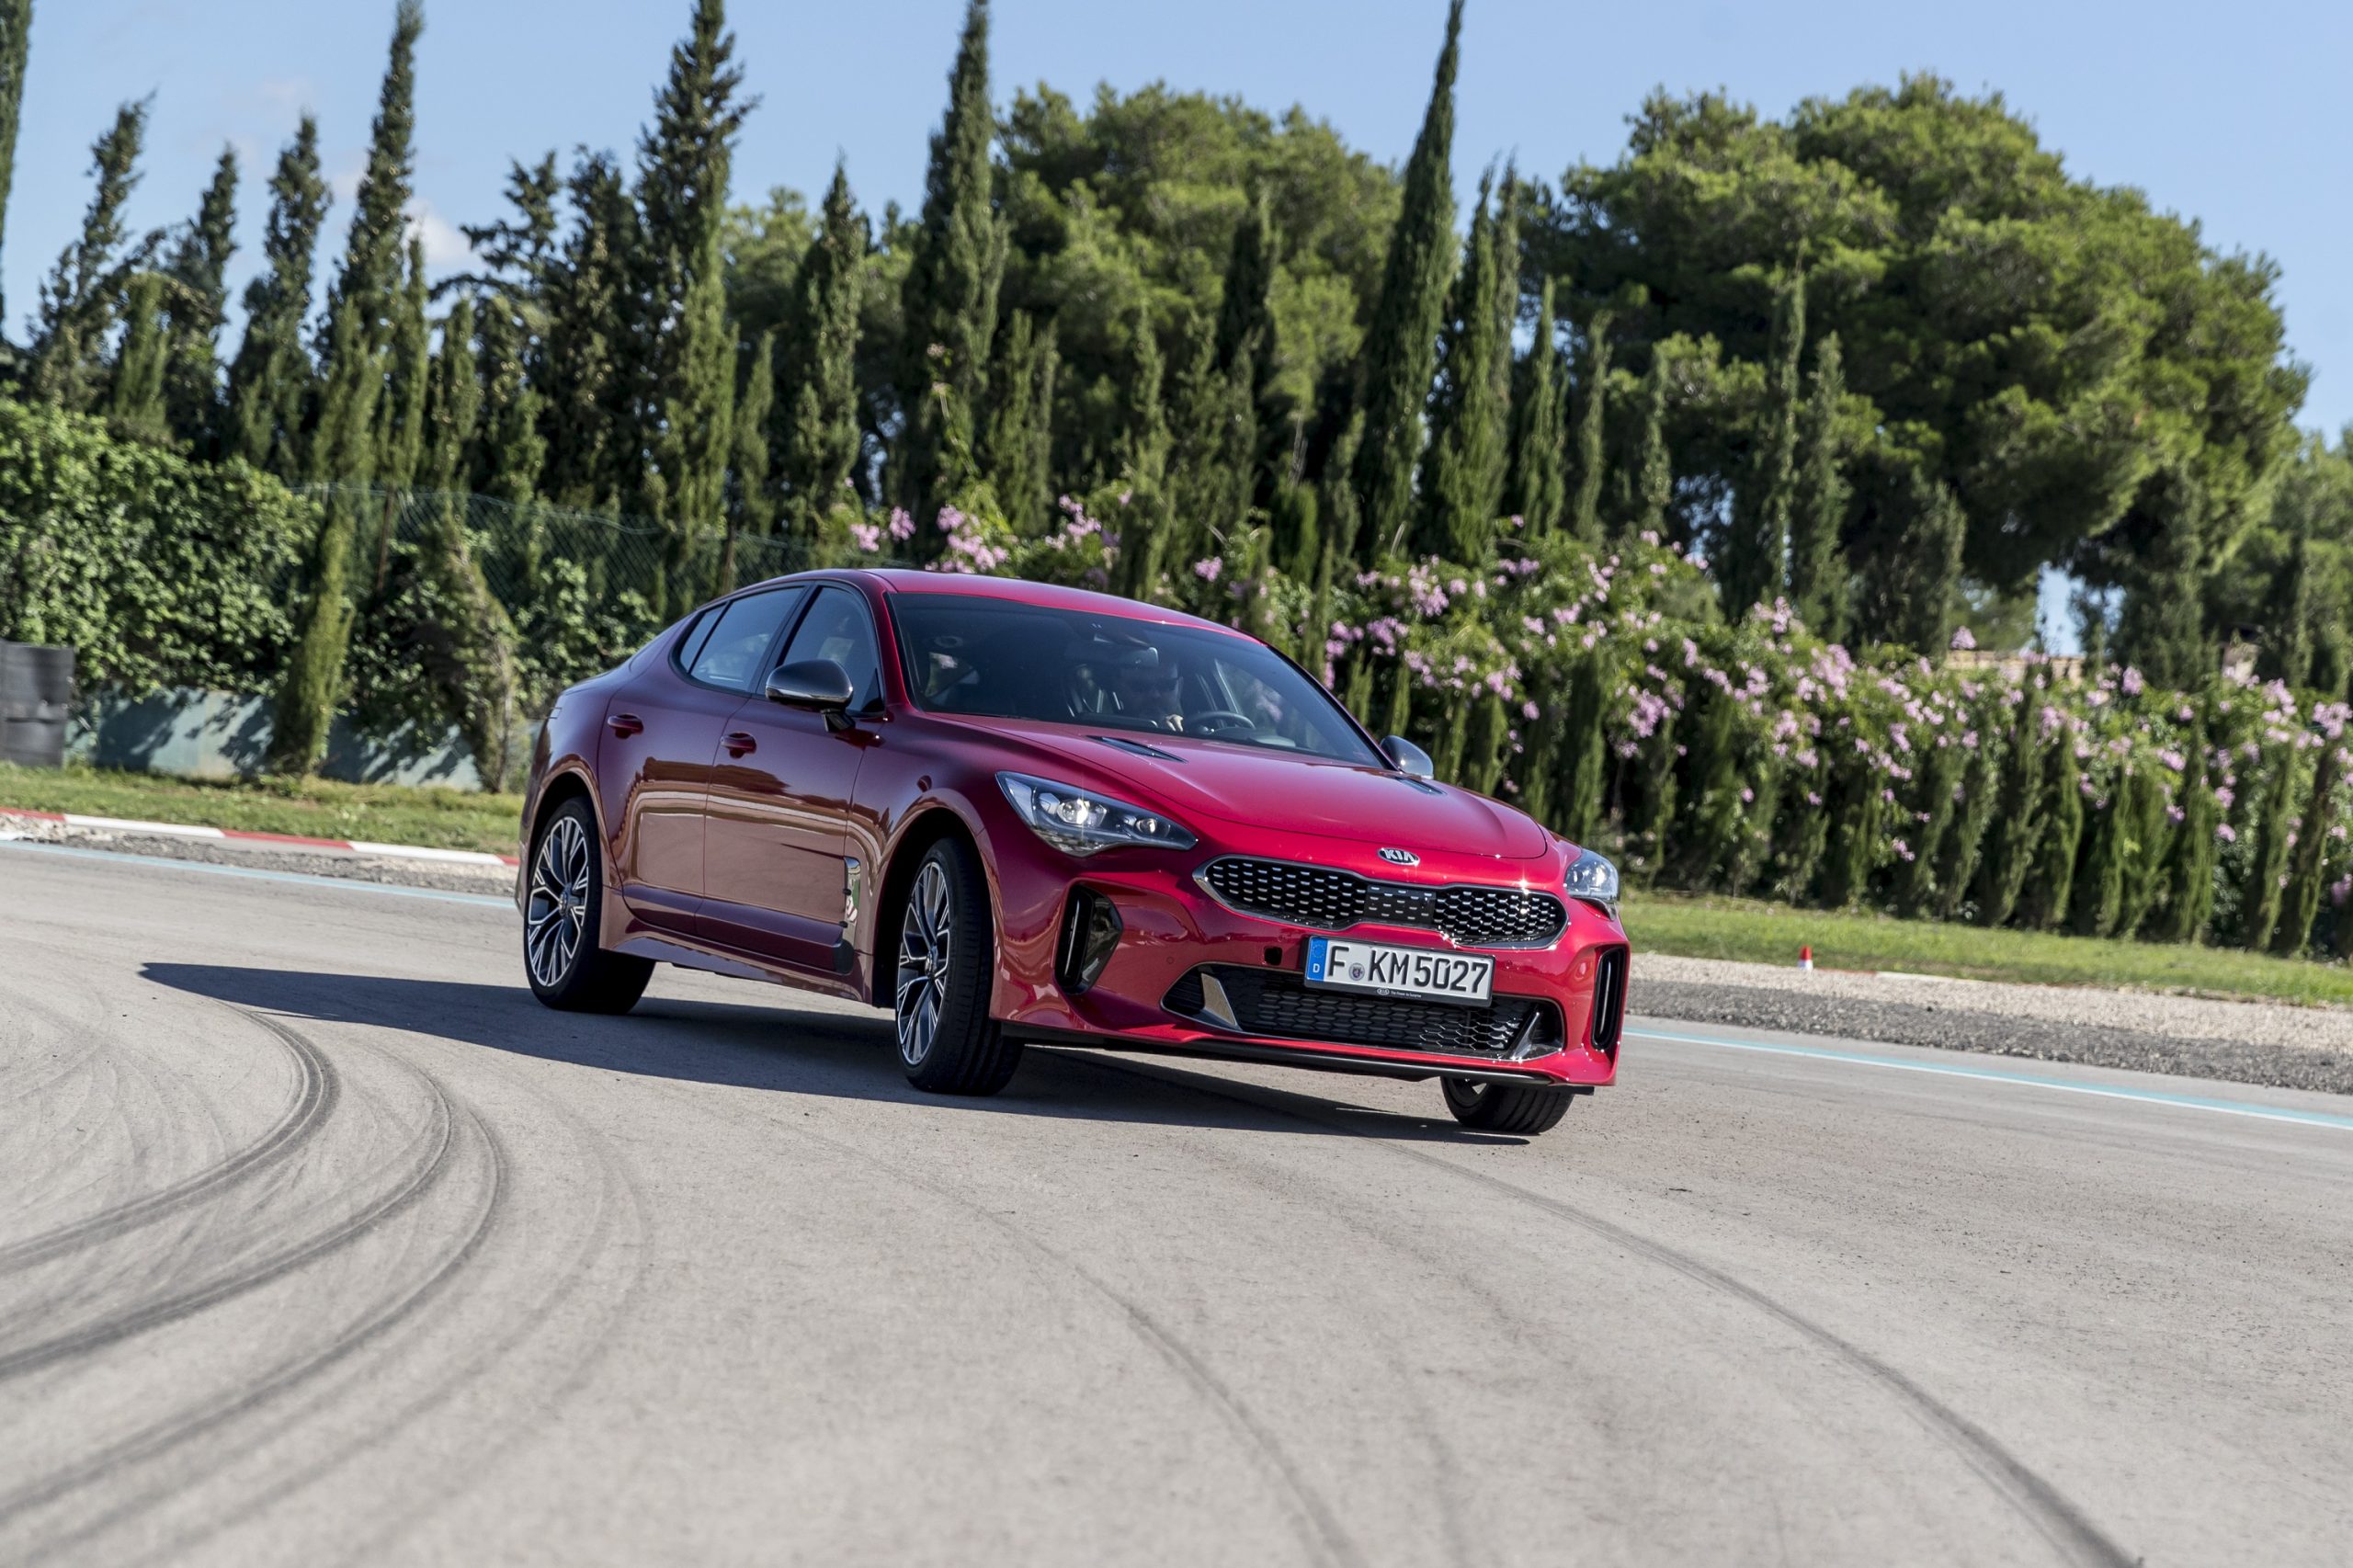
(563, 917)
(1524, 1109)
(948, 1042)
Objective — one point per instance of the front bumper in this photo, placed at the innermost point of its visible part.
(1191, 976)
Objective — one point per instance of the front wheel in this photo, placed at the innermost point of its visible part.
(1524, 1109)
(562, 919)
(948, 1042)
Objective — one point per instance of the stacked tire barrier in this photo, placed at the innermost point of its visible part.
(36, 691)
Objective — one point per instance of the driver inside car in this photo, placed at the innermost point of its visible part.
(1146, 686)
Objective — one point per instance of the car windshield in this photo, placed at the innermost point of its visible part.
(967, 654)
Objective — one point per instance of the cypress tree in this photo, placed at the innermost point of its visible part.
(1582, 756)
(1651, 818)
(751, 508)
(83, 295)
(820, 440)
(950, 294)
(2098, 897)
(1143, 524)
(400, 413)
(2259, 898)
(510, 454)
(591, 385)
(1653, 483)
(1964, 843)
(2017, 833)
(135, 399)
(1939, 772)
(1402, 342)
(2148, 841)
(346, 447)
(2290, 612)
(683, 162)
(15, 40)
(1592, 411)
(2161, 629)
(2189, 868)
(2043, 901)
(1818, 515)
(1245, 311)
(1919, 578)
(1753, 566)
(269, 379)
(198, 269)
(455, 409)
(2308, 866)
(1464, 470)
(1537, 492)
(1020, 422)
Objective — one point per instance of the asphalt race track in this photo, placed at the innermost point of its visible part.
(320, 1242)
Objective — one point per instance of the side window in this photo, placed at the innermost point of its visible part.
(696, 635)
(838, 628)
(733, 654)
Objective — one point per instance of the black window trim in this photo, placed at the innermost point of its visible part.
(785, 629)
(881, 702)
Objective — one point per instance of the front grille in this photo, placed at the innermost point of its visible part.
(1277, 1005)
(1334, 900)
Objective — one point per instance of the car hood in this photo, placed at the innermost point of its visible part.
(1286, 792)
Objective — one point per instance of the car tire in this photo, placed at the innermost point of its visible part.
(1523, 1109)
(563, 918)
(946, 954)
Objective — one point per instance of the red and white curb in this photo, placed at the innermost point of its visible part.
(183, 830)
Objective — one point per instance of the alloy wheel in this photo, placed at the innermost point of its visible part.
(557, 911)
(925, 947)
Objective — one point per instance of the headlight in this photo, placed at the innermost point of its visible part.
(1079, 822)
(1594, 879)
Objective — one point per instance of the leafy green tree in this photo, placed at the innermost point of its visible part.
(683, 162)
(1916, 582)
(269, 379)
(400, 411)
(2043, 901)
(15, 40)
(1537, 492)
(951, 294)
(199, 271)
(511, 449)
(81, 298)
(1818, 573)
(2308, 858)
(1470, 413)
(2260, 900)
(1144, 526)
(371, 271)
(1593, 414)
(820, 440)
(1402, 342)
(2015, 836)
(1964, 845)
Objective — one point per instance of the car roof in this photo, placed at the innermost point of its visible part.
(1016, 590)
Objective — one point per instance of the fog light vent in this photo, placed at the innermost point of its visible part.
(1091, 931)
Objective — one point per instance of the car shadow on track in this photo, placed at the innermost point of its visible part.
(798, 1051)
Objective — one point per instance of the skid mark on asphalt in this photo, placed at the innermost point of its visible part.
(1314, 1521)
(316, 1089)
(2068, 1530)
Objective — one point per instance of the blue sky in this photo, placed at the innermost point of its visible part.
(2234, 117)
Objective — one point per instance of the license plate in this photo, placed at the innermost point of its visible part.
(1422, 973)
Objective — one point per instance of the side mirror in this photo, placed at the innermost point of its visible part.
(819, 685)
(1409, 758)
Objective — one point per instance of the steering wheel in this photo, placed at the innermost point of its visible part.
(1211, 720)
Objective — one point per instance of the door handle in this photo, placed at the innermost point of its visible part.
(738, 744)
(625, 724)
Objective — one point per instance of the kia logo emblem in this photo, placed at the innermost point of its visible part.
(1400, 857)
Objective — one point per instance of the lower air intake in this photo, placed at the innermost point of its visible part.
(1275, 1004)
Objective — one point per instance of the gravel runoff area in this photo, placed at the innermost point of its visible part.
(351, 865)
(2246, 1042)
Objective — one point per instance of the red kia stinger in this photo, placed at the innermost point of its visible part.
(1014, 814)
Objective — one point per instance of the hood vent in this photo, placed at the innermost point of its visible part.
(1138, 748)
